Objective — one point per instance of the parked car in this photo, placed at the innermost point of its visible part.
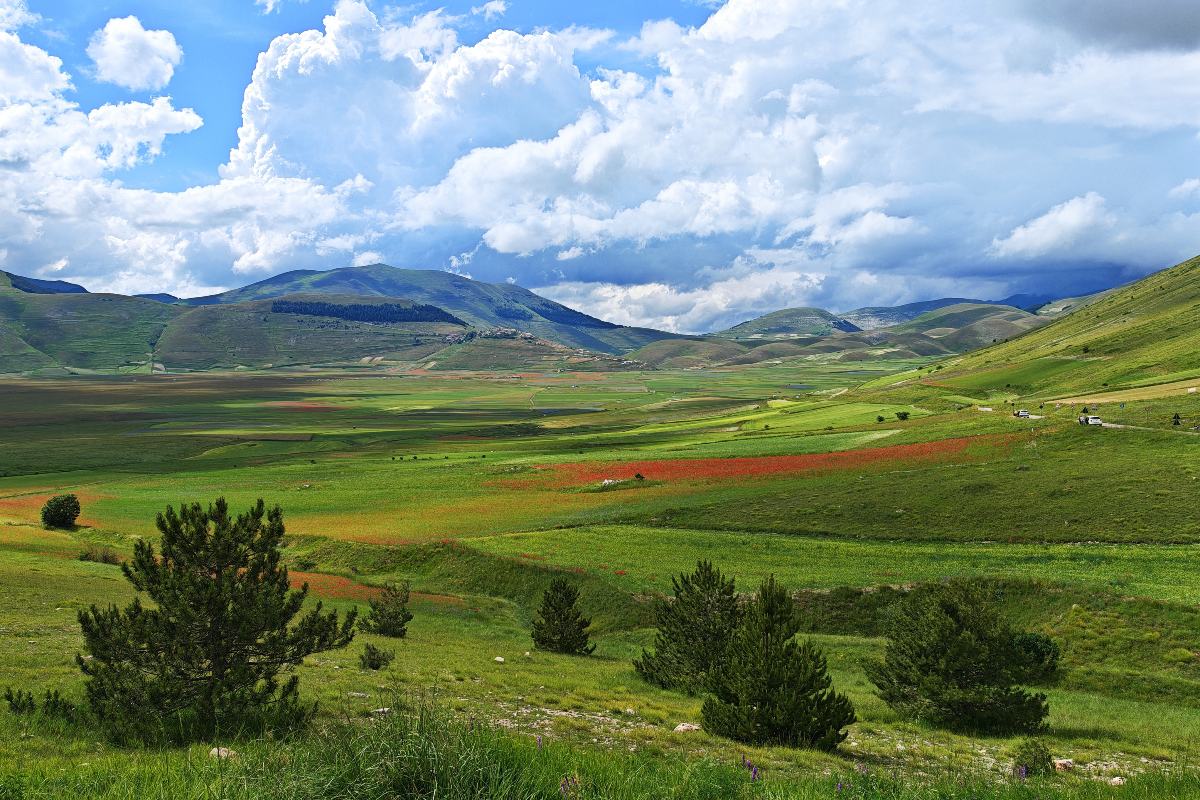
(1090, 419)
(1022, 413)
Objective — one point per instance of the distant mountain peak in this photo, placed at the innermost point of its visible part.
(789, 323)
(480, 304)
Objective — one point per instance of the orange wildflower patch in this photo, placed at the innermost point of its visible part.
(28, 507)
(677, 469)
(340, 588)
(332, 586)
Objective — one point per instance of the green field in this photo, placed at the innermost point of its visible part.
(479, 487)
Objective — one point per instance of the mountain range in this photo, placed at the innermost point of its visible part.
(379, 314)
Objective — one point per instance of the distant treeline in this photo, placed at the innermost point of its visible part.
(361, 312)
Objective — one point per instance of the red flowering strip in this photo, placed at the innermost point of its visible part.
(337, 587)
(334, 586)
(682, 469)
(302, 405)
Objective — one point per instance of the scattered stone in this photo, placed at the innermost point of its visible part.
(357, 694)
(528, 654)
(630, 712)
(221, 752)
(381, 712)
(499, 659)
(1063, 765)
(686, 727)
(1116, 781)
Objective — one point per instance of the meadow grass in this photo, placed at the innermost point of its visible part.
(455, 483)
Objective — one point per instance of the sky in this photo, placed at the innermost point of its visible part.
(671, 163)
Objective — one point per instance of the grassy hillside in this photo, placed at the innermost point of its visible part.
(685, 353)
(86, 331)
(967, 326)
(788, 323)
(871, 317)
(483, 305)
(1144, 333)
(38, 286)
(254, 335)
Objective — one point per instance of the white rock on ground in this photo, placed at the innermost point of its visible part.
(686, 727)
(1116, 781)
(1063, 765)
(499, 659)
(221, 752)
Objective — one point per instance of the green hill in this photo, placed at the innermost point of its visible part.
(686, 353)
(967, 326)
(870, 318)
(483, 305)
(38, 286)
(788, 323)
(275, 333)
(1144, 333)
(105, 332)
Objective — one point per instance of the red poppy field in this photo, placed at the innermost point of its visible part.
(692, 469)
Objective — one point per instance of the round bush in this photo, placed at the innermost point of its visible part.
(1032, 757)
(61, 511)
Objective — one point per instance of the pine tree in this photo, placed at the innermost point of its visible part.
(207, 657)
(559, 626)
(951, 661)
(389, 614)
(693, 631)
(773, 689)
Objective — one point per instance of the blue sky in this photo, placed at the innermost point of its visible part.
(674, 164)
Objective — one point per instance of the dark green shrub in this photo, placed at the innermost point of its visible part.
(951, 662)
(1032, 757)
(61, 511)
(559, 626)
(20, 701)
(373, 657)
(55, 705)
(208, 655)
(902, 415)
(693, 631)
(773, 689)
(389, 614)
(100, 555)
(1038, 655)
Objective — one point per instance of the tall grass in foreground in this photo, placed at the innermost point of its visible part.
(421, 754)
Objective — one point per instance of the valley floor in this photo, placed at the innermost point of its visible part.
(478, 488)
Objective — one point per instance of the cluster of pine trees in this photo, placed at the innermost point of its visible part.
(212, 653)
(951, 661)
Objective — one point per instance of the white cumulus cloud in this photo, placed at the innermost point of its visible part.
(128, 55)
(492, 9)
(1058, 230)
